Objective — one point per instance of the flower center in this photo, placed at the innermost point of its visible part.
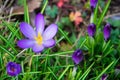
(39, 39)
(12, 69)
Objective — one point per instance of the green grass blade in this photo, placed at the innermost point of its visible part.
(44, 6)
(26, 12)
(61, 76)
(103, 13)
(95, 14)
(105, 70)
(64, 35)
(86, 72)
(52, 73)
(11, 29)
(7, 51)
(82, 43)
(7, 42)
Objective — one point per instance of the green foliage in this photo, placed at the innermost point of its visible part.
(26, 14)
(51, 11)
(64, 21)
(114, 21)
(103, 14)
(115, 36)
(20, 2)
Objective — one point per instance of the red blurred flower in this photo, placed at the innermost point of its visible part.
(60, 3)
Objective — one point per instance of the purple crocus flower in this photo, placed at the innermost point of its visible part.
(91, 29)
(104, 77)
(77, 56)
(93, 3)
(13, 69)
(106, 31)
(39, 39)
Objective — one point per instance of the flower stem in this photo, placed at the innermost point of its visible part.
(44, 6)
(91, 18)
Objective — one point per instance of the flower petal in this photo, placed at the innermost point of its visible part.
(13, 69)
(37, 48)
(39, 23)
(91, 29)
(77, 56)
(50, 32)
(104, 77)
(27, 30)
(93, 3)
(25, 43)
(107, 31)
(49, 43)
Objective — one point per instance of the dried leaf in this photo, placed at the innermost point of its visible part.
(32, 5)
(65, 46)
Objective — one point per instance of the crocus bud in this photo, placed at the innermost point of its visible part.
(77, 56)
(13, 69)
(104, 77)
(91, 29)
(106, 31)
(93, 3)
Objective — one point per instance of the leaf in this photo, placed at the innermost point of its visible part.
(51, 11)
(32, 5)
(65, 46)
(66, 21)
(115, 36)
(115, 21)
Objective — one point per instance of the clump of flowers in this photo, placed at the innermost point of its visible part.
(107, 31)
(13, 69)
(38, 39)
(91, 29)
(77, 56)
(76, 17)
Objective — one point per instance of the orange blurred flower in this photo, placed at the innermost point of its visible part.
(76, 17)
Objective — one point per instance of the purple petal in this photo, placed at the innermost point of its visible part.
(27, 30)
(93, 3)
(106, 31)
(77, 56)
(25, 43)
(104, 77)
(37, 48)
(49, 43)
(13, 69)
(39, 23)
(91, 29)
(50, 32)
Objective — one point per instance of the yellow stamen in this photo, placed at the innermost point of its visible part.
(39, 39)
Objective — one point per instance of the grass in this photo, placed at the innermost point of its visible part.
(54, 63)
